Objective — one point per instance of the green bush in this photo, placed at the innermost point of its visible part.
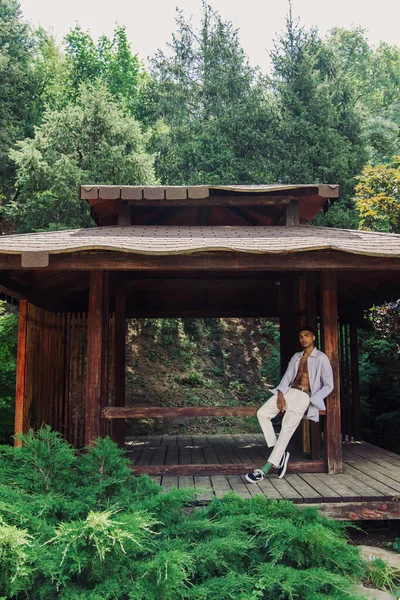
(80, 526)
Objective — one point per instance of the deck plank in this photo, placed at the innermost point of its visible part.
(376, 471)
(251, 451)
(327, 493)
(308, 493)
(265, 488)
(220, 485)
(159, 455)
(230, 448)
(238, 486)
(185, 481)
(378, 482)
(286, 489)
(377, 457)
(169, 481)
(339, 486)
(205, 490)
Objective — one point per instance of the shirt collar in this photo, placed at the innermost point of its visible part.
(313, 353)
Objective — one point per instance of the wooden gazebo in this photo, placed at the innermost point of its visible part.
(242, 251)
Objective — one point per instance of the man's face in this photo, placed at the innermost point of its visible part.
(306, 339)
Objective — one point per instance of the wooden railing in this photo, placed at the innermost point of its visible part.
(140, 412)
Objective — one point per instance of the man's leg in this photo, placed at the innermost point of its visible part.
(268, 411)
(265, 414)
(296, 405)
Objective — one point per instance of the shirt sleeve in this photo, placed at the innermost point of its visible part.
(326, 384)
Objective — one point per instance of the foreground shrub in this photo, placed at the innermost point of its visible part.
(81, 527)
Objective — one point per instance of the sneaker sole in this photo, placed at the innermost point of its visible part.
(251, 481)
(284, 468)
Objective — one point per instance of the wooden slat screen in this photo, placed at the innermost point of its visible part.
(55, 372)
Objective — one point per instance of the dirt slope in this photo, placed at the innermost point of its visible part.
(198, 362)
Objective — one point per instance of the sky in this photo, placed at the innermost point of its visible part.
(150, 23)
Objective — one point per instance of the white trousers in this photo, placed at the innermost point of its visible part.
(296, 405)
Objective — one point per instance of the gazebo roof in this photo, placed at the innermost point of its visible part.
(224, 204)
(35, 248)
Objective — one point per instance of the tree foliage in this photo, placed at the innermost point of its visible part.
(17, 88)
(318, 132)
(110, 62)
(94, 141)
(377, 197)
(209, 107)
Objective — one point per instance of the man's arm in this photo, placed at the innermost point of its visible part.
(284, 384)
(327, 384)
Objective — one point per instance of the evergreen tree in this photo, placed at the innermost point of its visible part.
(209, 108)
(17, 89)
(110, 62)
(91, 141)
(318, 131)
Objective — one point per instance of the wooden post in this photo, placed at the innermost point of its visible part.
(94, 355)
(355, 382)
(292, 213)
(105, 350)
(330, 335)
(124, 214)
(21, 371)
(119, 362)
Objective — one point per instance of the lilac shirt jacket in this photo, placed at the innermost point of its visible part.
(320, 376)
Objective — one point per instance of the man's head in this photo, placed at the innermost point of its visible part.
(306, 337)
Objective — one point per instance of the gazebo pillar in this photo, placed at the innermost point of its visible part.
(119, 362)
(20, 397)
(329, 326)
(96, 353)
(355, 381)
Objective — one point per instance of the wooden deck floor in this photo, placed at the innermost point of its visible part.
(370, 481)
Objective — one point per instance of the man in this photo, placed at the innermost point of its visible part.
(305, 385)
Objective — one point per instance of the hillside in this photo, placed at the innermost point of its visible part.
(198, 362)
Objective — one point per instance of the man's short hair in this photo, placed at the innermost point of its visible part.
(307, 328)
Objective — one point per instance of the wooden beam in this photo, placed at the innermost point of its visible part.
(119, 362)
(24, 291)
(217, 200)
(20, 398)
(307, 466)
(330, 335)
(207, 261)
(355, 382)
(359, 511)
(141, 412)
(94, 356)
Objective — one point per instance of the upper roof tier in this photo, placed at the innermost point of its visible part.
(208, 205)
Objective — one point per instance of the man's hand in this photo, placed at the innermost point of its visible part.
(281, 402)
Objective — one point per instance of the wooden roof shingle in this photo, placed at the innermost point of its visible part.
(164, 240)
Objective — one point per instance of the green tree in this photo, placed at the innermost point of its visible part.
(92, 141)
(110, 61)
(318, 132)
(208, 106)
(375, 77)
(377, 197)
(17, 88)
